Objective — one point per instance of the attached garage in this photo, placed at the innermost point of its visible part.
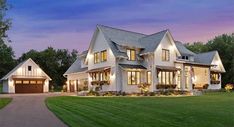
(27, 77)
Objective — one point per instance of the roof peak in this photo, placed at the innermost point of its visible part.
(99, 25)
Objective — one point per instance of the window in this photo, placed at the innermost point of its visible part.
(185, 57)
(131, 54)
(29, 68)
(165, 77)
(214, 76)
(100, 76)
(103, 56)
(18, 82)
(133, 77)
(25, 82)
(96, 57)
(32, 82)
(165, 55)
(39, 82)
(149, 81)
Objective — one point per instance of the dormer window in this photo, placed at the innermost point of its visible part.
(131, 54)
(29, 68)
(185, 57)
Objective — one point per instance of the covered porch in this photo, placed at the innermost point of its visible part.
(194, 76)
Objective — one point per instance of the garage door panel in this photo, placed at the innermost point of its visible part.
(27, 86)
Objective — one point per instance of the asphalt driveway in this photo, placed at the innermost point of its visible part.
(28, 110)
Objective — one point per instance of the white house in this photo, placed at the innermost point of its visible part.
(27, 77)
(120, 60)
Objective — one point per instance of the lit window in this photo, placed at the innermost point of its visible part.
(18, 82)
(32, 82)
(214, 76)
(133, 77)
(25, 82)
(149, 77)
(39, 82)
(96, 57)
(131, 54)
(165, 77)
(165, 55)
(103, 56)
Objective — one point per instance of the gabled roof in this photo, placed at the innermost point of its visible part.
(76, 67)
(205, 58)
(21, 64)
(183, 50)
(122, 37)
(152, 41)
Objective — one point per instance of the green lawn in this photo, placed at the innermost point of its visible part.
(212, 109)
(4, 102)
(1, 88)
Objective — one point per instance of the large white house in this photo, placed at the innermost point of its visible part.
(27, 77)
(119, 60)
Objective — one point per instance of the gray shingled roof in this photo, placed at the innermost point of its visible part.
(131, 39)
(205, 58)
(76, 67)
(151, 42)
(183, 50)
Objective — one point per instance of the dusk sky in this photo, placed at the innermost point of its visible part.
(70, 24)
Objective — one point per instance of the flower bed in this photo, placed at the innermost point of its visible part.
(165, 86)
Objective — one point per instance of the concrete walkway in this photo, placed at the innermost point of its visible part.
(28, 110)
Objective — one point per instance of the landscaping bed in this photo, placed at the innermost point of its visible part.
(211, 109)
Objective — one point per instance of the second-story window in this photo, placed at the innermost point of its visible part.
(165, 55)
(131, 54)
(103, 55)
(96, 57)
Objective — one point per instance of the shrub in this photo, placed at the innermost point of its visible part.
(144, 87)
(92, 93)
(228, 87)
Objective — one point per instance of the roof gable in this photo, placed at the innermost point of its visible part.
(75, 67)
(20, 65)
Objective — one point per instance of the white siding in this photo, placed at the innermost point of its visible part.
(101, 44)
(165, 44)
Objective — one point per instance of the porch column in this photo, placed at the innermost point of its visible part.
(190, 78)
(68, 85)
(208, 73)
(183, 77)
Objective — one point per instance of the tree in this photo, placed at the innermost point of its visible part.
(7, 61)
(53, 62)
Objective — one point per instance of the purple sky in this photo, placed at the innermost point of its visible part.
(70, 24)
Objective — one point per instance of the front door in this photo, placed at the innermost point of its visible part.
(72, 89)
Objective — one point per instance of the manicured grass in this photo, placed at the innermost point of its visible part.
(4, 102)
(1, 88)
(212, 109)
